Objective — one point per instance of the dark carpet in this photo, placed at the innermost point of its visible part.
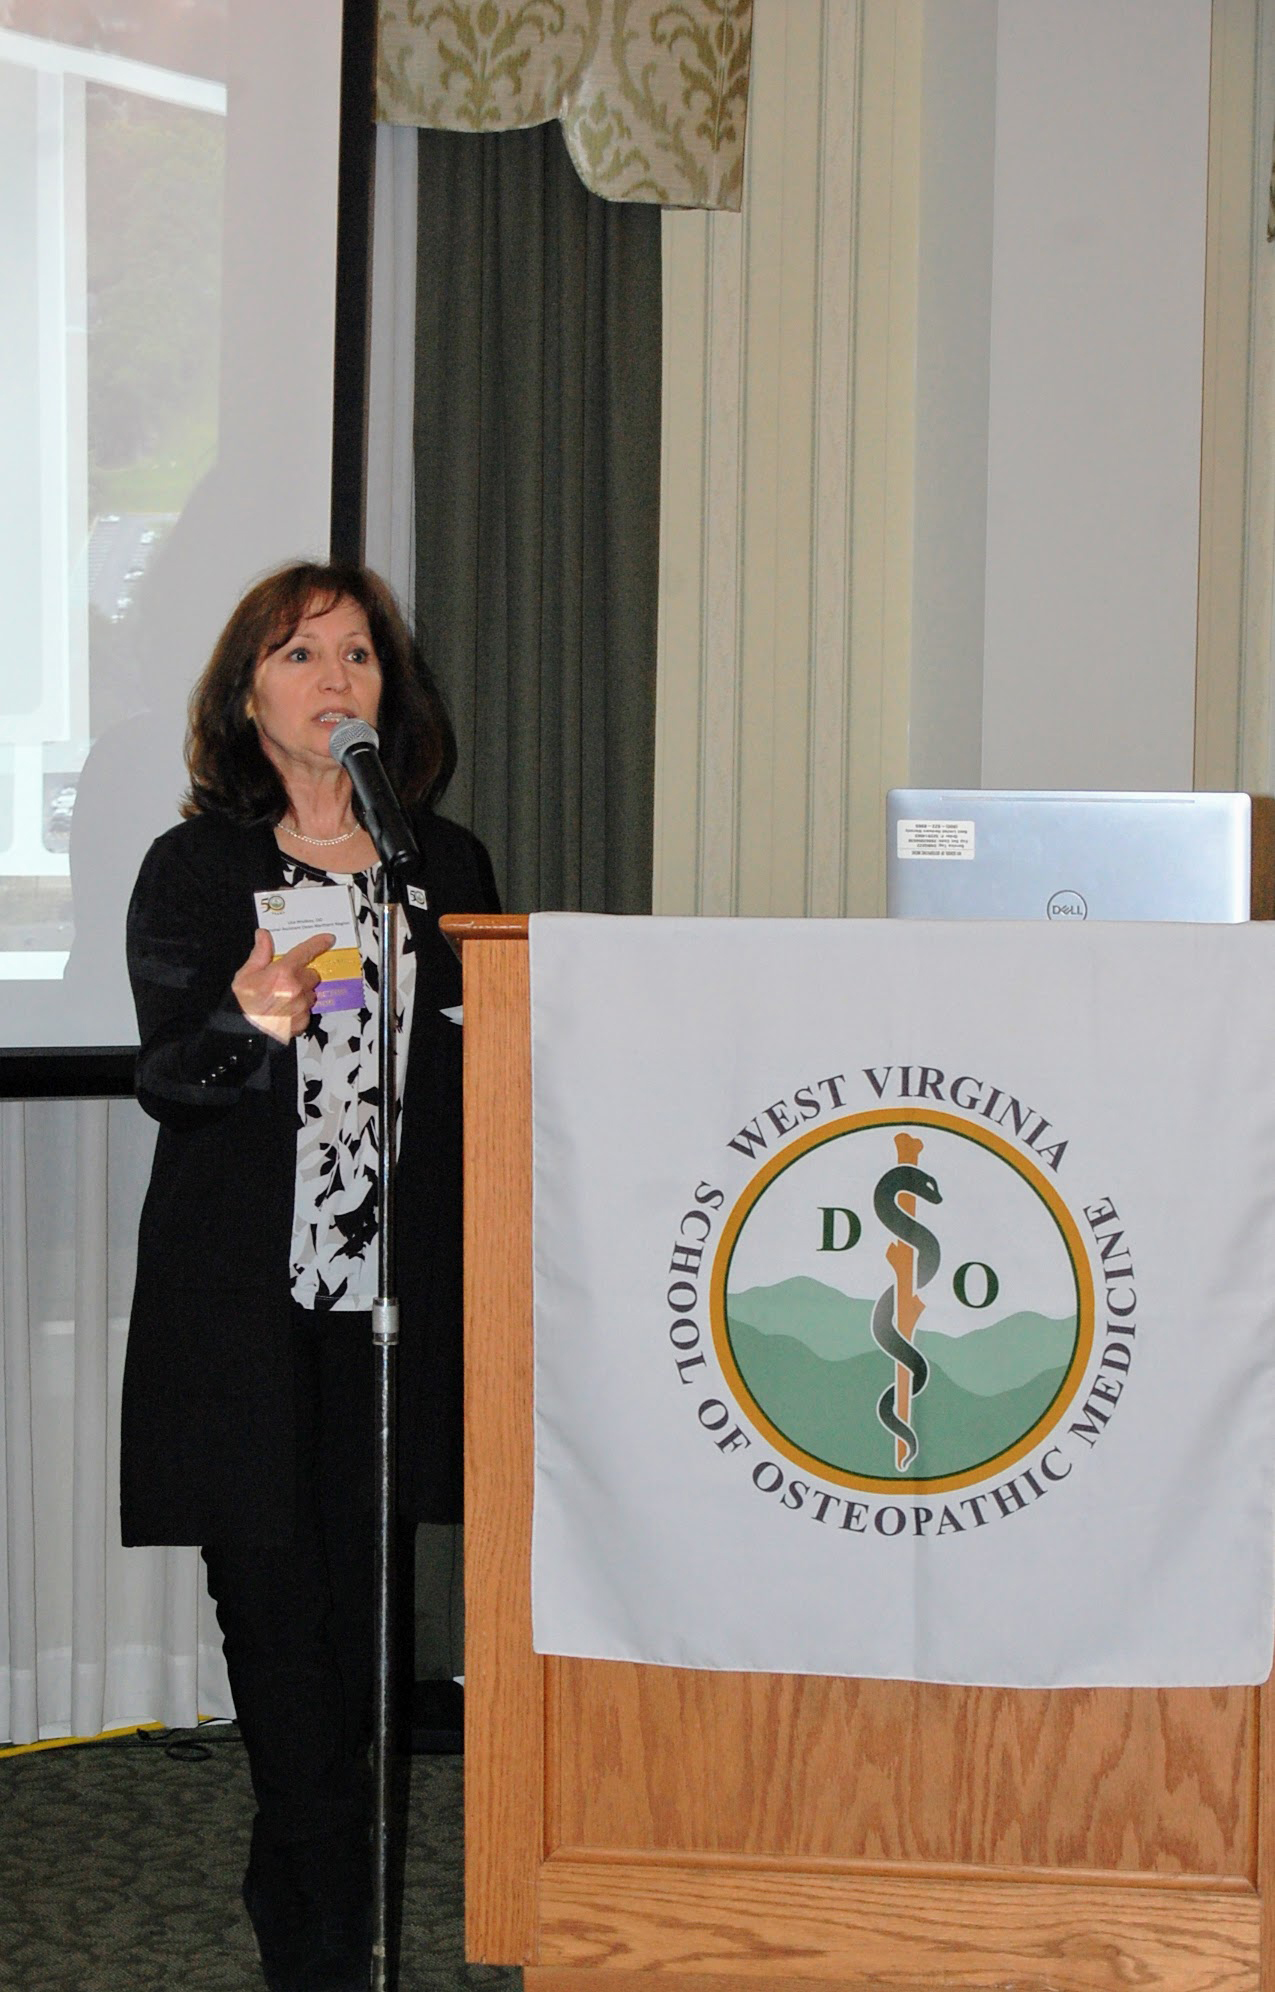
(120, 1865)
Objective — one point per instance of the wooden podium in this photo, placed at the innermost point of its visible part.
(647, 1829)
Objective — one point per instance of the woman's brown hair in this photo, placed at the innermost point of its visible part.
(229, 773)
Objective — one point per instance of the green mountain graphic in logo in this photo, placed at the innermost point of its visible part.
(806, 1355)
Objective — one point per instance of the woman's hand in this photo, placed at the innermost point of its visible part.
(278, 996)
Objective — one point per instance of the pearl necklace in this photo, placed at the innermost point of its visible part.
(323, 843)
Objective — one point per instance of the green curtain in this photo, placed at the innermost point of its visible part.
(537, 510)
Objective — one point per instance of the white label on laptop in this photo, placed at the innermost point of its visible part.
(920, 838)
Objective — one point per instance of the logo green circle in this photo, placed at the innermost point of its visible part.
(901, 1300)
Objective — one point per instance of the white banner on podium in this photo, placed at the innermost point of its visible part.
(905, 1298)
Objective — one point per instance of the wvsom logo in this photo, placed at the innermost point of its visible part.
(902, 1302)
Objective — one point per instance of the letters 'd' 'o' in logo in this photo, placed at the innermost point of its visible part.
(902, 1302)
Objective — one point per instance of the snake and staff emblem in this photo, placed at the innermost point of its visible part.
(913, 1259)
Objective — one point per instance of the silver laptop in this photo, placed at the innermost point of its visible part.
(1040, 854)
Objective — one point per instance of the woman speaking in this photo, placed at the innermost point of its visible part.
(249, 1386)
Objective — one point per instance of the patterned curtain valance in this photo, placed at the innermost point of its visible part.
(651, 94)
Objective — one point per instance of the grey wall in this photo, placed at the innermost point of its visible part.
(1060, 348)
(954, 318)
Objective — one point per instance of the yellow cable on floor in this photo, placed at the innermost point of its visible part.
(62, 1742)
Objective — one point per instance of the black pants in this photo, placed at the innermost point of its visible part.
(297, 1622)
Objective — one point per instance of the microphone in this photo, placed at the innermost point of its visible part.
(355, 745)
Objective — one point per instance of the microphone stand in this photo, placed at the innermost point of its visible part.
(354, 745)
(385, 1333)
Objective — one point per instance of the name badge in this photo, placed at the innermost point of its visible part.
(293, 913)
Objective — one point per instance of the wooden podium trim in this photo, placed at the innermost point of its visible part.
(788, 1866)
(1264, 1821)
(504, 1679)
(461, 927)
(638, 1915)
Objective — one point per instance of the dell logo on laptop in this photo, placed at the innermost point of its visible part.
(1067, 906)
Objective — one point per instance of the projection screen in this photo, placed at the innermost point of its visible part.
(168, 209)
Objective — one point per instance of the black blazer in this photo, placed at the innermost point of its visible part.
(207, 1438)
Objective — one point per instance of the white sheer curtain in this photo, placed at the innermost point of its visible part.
(92, 1636)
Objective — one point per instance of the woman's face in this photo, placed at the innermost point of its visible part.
(327, 671)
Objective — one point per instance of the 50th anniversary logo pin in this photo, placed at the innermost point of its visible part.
(901, 1320)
